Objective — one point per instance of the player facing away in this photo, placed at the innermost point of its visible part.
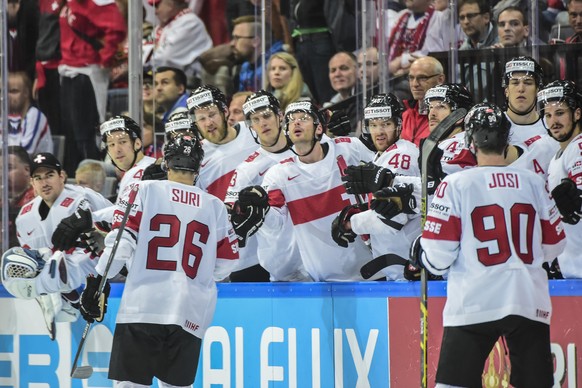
(560, 104)
(490, 229)
(177, 242)
(279, 257)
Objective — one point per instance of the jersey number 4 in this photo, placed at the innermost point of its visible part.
(191, 253)
(489, 224)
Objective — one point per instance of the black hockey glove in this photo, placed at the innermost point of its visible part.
(434, 172)
(70, 229)
(568, 199)
(93, 308)
(339, 124)
(553, 270)
(154, 172)
(401, 194)
(412, 270)
(339, 232)
(366, 178)
(249, 211)
(93, 241)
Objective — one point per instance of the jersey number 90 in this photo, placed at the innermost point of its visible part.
(489, 224)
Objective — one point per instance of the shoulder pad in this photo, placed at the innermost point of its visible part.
(26, 208)
(532, 140)
(252, 157)
(342, 139)
(67, 202)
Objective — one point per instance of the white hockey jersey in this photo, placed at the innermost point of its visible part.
(176, 243)
(312, 195)
(276, 251)
(568, 164)
(220, 161)
(519, 133)
(35, 231)
(540, 149)
(491, 229)
(401, 158)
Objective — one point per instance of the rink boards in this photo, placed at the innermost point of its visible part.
(284, 335)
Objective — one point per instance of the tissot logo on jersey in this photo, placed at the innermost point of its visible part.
(439, 210)
(503, 180)
(185, 197)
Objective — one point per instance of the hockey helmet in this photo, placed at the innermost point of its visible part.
(206, 95)
(184, 152)
(559, 91)
(179, 123)
(487, 126)
(260, 100)
(523, 64)
(306, 107)
(120, 123)
(455, 95)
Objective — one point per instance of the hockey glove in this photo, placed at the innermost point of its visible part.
(70, 229)
(249, 211)
(434, 169)
(412, 270)
(154, 172)
(339, 124)
(401, 194)
(93, 241)
(340, 233)
(553, 270)
(568, 199)
(93, 308)
(366, 178)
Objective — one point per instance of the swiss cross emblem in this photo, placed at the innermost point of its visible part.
(39, 159)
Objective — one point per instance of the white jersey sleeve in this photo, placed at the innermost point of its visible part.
(401, 158)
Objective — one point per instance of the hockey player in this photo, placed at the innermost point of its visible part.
(560, 104)
(522, 80)
(307, 189)
(177, 241)
(279, 257)
(225, 147)
(391, 230)
(496, 284)
(54, 284)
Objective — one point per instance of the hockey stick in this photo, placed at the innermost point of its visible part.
(85, 371)
(377, 264)
(441, 131)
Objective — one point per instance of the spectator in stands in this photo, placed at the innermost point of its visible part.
(91, 32)
(178, 40)
(343, 74)
(171, 93)
(285, 80)
(148, 93)
(575, 19)
(419, 29)
(314, 45)
(475, 21)
(20, 190)
(22, 28)
(425, 73)
(27, 125)
(512, 28)
(91, 174)
(246, 46)
(235, 110)
(47, 83)
(370, 58)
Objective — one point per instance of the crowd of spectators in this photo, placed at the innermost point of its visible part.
(79, 49)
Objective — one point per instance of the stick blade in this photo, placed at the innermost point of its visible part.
(379, 263)
(82, 372)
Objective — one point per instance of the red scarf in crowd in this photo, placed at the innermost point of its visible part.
(401, 42)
